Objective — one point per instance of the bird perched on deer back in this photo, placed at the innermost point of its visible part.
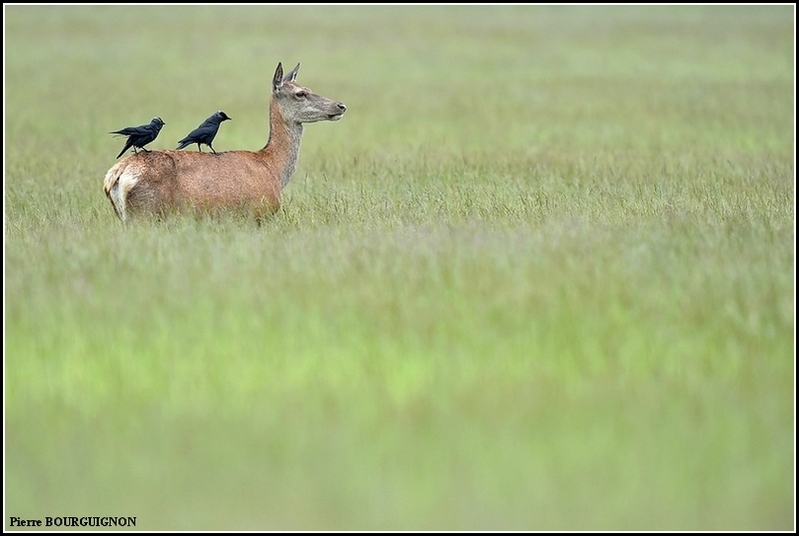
(205, 133)
(141, 135)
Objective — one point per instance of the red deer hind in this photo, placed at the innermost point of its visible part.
(156, 182)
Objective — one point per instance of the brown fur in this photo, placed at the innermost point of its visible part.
(157, 182)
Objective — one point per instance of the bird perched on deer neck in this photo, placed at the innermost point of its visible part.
(205, 133)
(141, 135)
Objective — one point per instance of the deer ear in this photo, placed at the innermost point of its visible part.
(277, 80)
(292, 76)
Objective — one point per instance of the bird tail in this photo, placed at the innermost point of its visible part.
(128, 145)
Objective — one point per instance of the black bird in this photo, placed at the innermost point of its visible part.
(141, 135)
(205, 133)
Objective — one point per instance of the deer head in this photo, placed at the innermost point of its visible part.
(298, 104)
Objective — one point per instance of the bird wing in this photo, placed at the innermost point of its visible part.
(204, 133)
(190, 137)
(151, 128)
(132, 131)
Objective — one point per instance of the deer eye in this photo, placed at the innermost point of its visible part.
(301, 94)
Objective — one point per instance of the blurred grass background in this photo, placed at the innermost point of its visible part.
(540, 276)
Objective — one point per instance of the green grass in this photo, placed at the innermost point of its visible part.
(540, 276)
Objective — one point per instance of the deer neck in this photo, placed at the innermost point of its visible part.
(283, 147)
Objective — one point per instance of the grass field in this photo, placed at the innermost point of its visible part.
(539, 277)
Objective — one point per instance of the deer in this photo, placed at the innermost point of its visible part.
(161, 181)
